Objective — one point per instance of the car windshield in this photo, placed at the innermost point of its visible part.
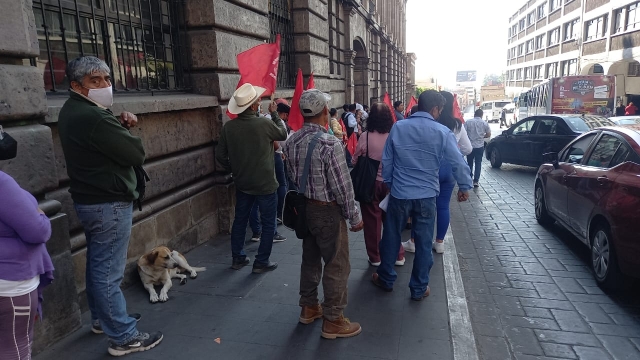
(587, 123)
(501, 104)
(626, 122)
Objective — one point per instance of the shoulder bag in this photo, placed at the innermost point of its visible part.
(363, 176)
(294, 214)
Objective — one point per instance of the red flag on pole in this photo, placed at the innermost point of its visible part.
(295, 115)
(311, 84)
(352, 143)
(413, 102)
(258, 66)
(387, 100)
(456, 109)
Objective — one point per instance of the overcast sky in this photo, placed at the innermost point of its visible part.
(456, 35)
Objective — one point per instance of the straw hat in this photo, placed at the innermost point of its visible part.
(244, 97)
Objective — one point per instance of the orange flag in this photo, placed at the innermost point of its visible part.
(295, 116)
(413, 102)
(311, 84)
(387, 100)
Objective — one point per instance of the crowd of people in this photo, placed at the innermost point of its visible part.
(421, 159)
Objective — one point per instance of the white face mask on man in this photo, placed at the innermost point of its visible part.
(102, 96)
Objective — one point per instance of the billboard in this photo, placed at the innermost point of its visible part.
(583, 94)
(466, 76)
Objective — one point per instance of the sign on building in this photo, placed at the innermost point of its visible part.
(466, 76)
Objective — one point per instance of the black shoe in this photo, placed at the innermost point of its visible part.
(141, 342)
(259, 269)
(96, 328)
(240, 263)
(376, 281)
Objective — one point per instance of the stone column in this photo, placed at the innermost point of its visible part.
(350, 9)
(311, 33)
(384, 67)
(23, 106)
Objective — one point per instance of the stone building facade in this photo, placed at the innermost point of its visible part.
(173, 64)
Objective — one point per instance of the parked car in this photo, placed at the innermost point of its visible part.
(526, 141)
(625, 120)
(592, 188)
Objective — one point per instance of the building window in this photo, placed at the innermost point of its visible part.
(540, 42)
(531, 18)
(552, 70)
(336, 39)
(519, 74)
(554, 36)
(522, 24)
(571, 30)
(514, 30)
(141, 41)
(280, 22)
(527, 73)
(541, 11)
(554, 5)
(569, 67)
(634, 69)
(626, 18)
(538, 72)
(530, 46)
(512, 74)
(520, 49)
(596, 28)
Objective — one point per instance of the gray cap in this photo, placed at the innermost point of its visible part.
(313, 101)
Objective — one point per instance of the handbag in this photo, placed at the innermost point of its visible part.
(8, 146)
(363, 176)
(141, 184)
(294, 214)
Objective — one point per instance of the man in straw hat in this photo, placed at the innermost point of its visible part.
(246, 150)
(330, 200)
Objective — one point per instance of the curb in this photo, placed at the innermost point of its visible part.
(462, 337)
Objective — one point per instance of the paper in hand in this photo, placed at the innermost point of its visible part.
(384, 203)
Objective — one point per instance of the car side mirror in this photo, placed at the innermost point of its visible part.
(552, 158)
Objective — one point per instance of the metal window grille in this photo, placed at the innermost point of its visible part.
(140, 40)
(281, 22)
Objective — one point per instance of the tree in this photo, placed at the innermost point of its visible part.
(493, 79)
(420, 90)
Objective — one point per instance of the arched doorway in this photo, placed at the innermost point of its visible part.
(361, 73)
(593, 69)
(627, 73)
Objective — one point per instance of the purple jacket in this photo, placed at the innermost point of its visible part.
(23, 234)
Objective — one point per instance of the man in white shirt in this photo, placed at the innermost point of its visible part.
(477, 130)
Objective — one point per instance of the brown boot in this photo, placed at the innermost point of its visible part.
(341, 328)
(310, 313)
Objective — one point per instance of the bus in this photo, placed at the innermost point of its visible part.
(582, 94)
(493, 109)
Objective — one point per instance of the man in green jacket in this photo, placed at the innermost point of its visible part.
(100, 154)
(246, 150)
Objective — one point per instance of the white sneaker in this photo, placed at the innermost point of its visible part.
(255, 237)
(401, 262)
(438, 247)
(409, 246)
(374, 263)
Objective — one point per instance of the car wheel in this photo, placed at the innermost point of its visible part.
(542, 215)
(603, 259)
(495, 158)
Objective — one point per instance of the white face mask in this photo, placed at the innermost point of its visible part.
(102, 96)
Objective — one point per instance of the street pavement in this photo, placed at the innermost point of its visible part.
(256, 316)
(529, 289)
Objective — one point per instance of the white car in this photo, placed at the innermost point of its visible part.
(625, 120)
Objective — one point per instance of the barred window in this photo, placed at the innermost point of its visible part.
(281, 22)
(140, 40)
(336, 39)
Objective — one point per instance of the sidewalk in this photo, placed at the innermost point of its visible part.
(256, 316)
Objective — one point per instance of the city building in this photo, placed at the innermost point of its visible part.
(492, 92)
(174, 65)
(549, 38)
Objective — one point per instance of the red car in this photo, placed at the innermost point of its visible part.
(592, 188)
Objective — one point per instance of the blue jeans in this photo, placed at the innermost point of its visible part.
(423, 213)
(267, 207)
(107, 228)
(475, 157)
(447, 184)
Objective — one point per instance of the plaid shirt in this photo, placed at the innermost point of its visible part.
(329, 178)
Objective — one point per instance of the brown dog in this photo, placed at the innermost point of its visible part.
(160, 266)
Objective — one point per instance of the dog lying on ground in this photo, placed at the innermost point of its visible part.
(160, 266)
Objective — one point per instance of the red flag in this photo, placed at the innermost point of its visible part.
(413, 102)
(387, 100)
(456, 109)
(311, 84)
(258, 66)
(352, 143)
(295, 116)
